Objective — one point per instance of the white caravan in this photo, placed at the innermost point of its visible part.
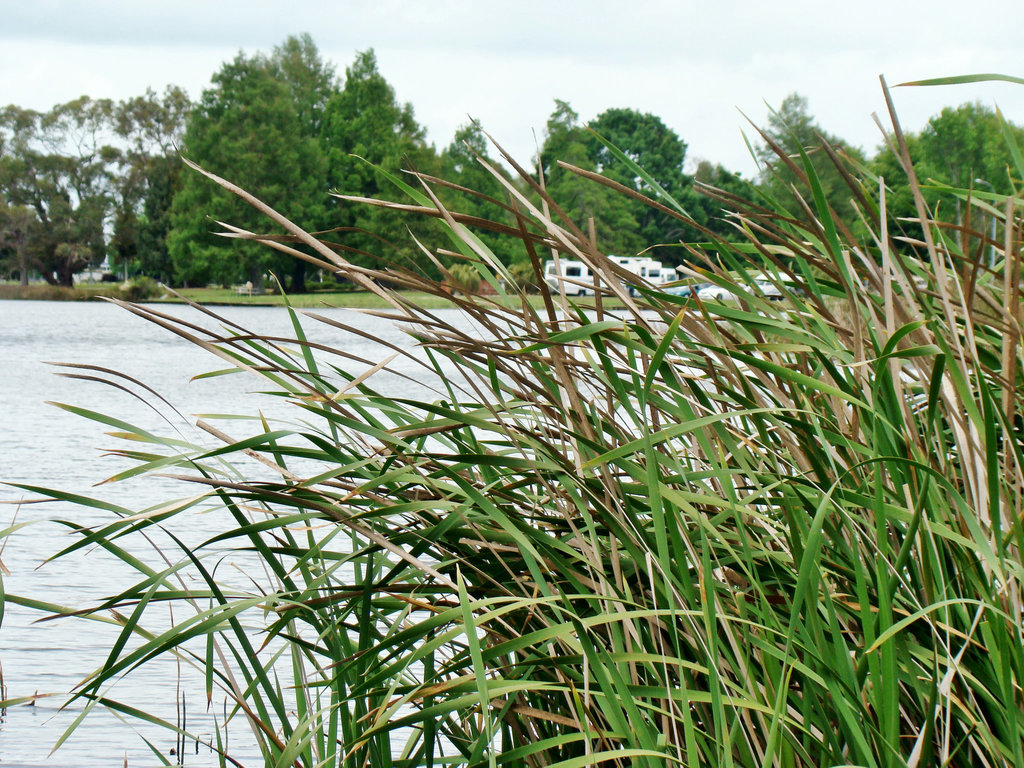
(577, 279)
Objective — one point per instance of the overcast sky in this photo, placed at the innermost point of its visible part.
(697, 65)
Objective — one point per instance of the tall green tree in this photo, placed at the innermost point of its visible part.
(365, 126)
(312, 82)
(625, 226)
(966, 145)
(164, 175)
(248, 129)
(659, 150)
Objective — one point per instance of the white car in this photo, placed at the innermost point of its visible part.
(762, 286)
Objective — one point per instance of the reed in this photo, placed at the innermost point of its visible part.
(742, 533)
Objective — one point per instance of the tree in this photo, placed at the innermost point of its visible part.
(163, 180)
(366, 126)
(642, 137)
(310, 80)
(707, 210)
(16, 232)
(58, 164)
(151, 129)
(793, 129)
(312, 83)
(246, 128)
(624, 225)
(962, 147)
(656, 148)
(966, 143)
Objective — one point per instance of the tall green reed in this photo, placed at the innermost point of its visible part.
(723, 533)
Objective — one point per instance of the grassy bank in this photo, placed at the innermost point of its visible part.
(216, 296)
(753, 534)
(43, 292)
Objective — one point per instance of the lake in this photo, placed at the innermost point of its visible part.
(43, 445)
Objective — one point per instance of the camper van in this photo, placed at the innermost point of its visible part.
(649, 269)
(577, 279)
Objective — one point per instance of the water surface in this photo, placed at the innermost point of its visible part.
(42, 445)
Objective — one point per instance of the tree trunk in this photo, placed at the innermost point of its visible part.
(66, 276)
(298, 281)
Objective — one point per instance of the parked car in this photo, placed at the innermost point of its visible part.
(761, 286)
(686, 290)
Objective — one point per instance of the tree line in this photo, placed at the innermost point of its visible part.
(95, 180)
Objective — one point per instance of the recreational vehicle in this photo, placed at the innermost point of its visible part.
(577, 279)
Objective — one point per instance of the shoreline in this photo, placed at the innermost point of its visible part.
(213, 297)
(222, 297)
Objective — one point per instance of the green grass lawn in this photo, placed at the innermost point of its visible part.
(211, 296)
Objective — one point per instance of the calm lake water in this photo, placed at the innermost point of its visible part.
(45, 446)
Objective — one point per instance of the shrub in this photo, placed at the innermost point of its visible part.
(141, 288)
(464, 278)
(524, 277)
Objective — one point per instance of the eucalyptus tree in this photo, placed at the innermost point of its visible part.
(150, 128)
(59, 164)
(17, 225)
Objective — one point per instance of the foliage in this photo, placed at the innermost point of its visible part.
(581, 201)
(626, 225)
(105, 175)
(312, 83)
(17, 224)
(141, 288)
(151, 129)
(523, 277)
(479, 188)
(84, 165)
(728, 533)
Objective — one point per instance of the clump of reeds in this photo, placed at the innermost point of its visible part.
(738, 533)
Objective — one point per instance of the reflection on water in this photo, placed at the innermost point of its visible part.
(45, 446)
